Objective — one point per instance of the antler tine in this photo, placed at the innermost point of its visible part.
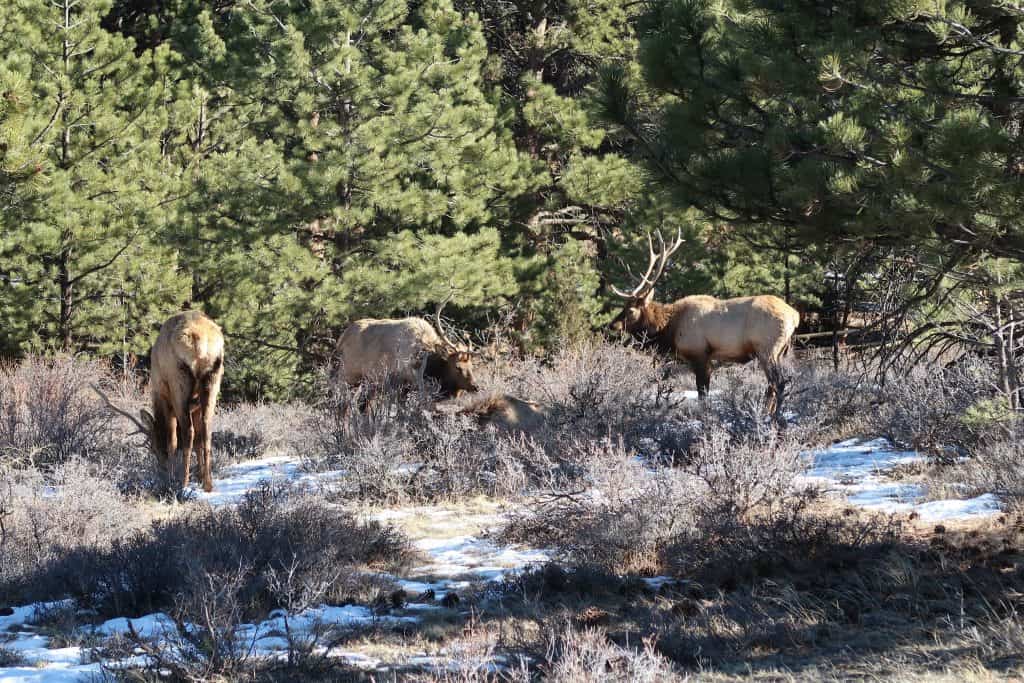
(619, 292)
(652, 260)
(437, 317)
(666, 252)
(656, 261)
(141, 428)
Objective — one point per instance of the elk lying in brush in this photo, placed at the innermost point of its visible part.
(701, 329)
(186, 367)
(508, 413)
(407, 350)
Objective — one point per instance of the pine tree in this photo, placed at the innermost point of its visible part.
(893, 122)
(94, 112)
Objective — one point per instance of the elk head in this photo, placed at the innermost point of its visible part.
(453, 367)
(635, 314)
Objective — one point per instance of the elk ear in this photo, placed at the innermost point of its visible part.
(647, 298)
(147, 419)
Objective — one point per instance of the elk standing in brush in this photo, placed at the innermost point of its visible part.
(406, 349)
(186, 367)
(700, 329)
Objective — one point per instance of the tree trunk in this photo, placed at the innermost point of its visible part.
(64, 281)
(67, 300)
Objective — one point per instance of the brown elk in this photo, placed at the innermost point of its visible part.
(508, 413)
(701, 329)
(405, 349)
(186, 367)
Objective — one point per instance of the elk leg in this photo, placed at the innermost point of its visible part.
(776, 388)
(164, 437)
(702, 371)
(186, 432)
(200, 446)
(168, 461)
(207, 405)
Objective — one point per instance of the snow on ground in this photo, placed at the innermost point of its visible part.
(234, 481)
(855, 469)
(457, 555)
(41, 664)
(452, 541)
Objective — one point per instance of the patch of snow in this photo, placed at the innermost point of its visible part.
(237, 480)
(42, 664)
(854, 469)
(50, 673)
(151, 626)
(855, 460)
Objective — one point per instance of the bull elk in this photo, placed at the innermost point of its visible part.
(186, 367)
(700, 329)
(406, 349)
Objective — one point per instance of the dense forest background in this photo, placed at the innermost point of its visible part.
(288, 166)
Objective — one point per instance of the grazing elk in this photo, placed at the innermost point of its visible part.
(186, 367)
(701, 329)
(406, 349)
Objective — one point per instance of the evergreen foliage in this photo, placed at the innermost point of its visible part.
(291, 165)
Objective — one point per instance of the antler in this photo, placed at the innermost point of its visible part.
(656, 263)
(440, 327)
(140, 428)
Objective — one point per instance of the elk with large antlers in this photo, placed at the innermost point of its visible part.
(701, 329)
(406, 349)
(186, 367)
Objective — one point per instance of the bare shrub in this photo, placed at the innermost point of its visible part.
(11, 658)
(618, 516)
(741, 473)
(43, 517)
(930, 407)
(623, 516)
(828, 404)
(726, 551)
(573, 656)
(270, 530)
(597, 388)
(348, 416)
(246, 431)
(996, 467)
(49, 412)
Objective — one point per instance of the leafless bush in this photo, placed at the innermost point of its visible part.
(573, 655)
(996, 467)
(834, 400)
(940, 411)
(270, 530)
(595, 389)
(444, 457)
(623, 516)
(348, 416)
(43, 517)
(252, 430)
(11, 658)
(50, 413)
(741, 473)
(205, 643)
(726, 551)
(617, 516)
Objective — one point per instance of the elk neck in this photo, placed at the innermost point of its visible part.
(655, 326)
